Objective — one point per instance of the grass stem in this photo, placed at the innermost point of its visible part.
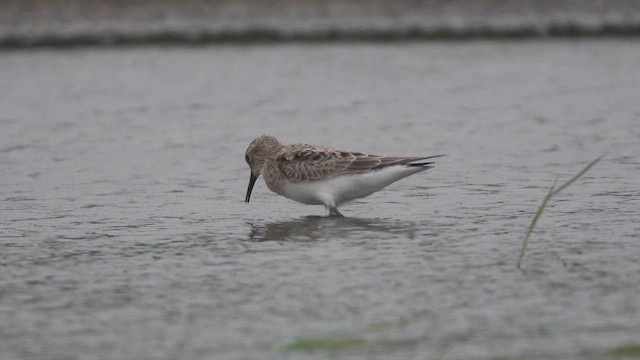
(552, 192)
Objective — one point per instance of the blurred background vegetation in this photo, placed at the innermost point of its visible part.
(77, 22)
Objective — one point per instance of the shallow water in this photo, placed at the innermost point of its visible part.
(124, 233)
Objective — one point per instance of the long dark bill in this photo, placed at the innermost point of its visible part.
(252, 181)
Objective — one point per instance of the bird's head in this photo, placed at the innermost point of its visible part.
(255, 156)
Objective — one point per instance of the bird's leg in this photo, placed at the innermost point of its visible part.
(333, 211)
(332, 207)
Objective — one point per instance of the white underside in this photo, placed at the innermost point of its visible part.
(340, 189)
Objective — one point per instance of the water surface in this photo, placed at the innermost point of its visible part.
(124, 233)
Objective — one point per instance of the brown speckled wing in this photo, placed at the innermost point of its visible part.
(303, 162)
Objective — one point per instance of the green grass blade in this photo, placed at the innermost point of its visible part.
(578, 175)
(534, 221)
(553, 191)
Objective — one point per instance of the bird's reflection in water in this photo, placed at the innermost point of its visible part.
(313, 228)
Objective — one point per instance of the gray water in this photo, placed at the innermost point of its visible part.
(124, 233)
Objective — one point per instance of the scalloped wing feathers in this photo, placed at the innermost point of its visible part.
(302, 162)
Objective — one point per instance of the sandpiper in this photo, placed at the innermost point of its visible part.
(319, 175)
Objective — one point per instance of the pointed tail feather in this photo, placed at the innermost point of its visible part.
(409, 161)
